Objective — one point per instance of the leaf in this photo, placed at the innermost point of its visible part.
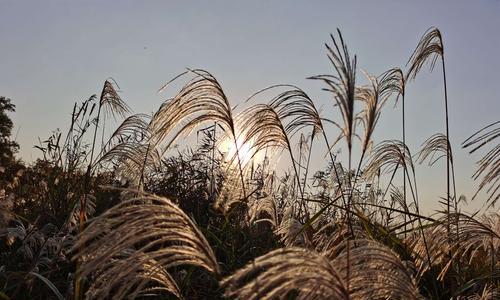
(49, 284)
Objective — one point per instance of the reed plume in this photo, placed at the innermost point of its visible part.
(393, 81)
(343, 88)
(129, 149)
(279, 273)
(430, 48)
(111, 104)
(297, 111)
(489, 164)
(263, 129)
(150, 230)
(377, 273)
(391, 155)
(200, 100)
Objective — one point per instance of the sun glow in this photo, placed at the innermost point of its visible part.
(245, 150)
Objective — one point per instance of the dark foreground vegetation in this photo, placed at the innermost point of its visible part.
(133, 216)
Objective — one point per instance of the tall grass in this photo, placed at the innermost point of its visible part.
(210, 223)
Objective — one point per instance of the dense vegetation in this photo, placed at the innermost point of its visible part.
(131, 215)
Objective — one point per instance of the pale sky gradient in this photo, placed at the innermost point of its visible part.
(54, 53)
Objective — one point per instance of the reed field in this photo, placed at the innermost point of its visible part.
(209, 198)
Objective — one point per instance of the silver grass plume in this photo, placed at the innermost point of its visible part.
(129, 149)
(134, 127)
(110, 101)
(429, 48)
(290, 231)
(387, 156)
(431, 252)
(435, 148)
(478, 235)
(263, 209)
(398, 196)
(262, 128)
(489, 164)
(470, 236)
(282, 271)
(335, 233)
(377, 273)
(489, 292)
(343, 88)
(373, 97)
(342, 85)
(143, 276)
(392, 82)
(132, 159)
(147, 229)
(297, 111)
(200, 100)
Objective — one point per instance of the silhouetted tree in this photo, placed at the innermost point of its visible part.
(7, 146)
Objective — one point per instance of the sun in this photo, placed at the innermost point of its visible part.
(245, 150)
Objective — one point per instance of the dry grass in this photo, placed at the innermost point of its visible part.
(347, 233)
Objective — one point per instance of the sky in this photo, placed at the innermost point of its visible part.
(54, 53)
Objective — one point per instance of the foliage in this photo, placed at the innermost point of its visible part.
(7, 147)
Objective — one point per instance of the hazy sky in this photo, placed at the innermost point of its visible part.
(54, 53)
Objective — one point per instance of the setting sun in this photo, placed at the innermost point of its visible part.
(245, 150)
